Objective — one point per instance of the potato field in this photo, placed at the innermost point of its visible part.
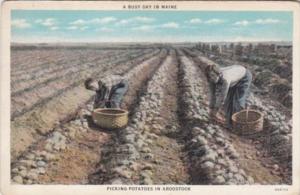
(170, 138)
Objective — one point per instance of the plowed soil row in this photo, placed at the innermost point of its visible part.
(38, 76)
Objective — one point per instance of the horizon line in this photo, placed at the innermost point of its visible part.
(124, 42)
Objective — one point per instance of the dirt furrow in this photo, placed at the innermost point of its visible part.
(26, 58)
(72, 151)
(41, 75)
(39, 65)
(64, 54)
(54, 70)
(67, 62)
(35, 83)
(167, 142)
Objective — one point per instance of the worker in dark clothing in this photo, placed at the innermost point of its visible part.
(109, 91)
(230, 87)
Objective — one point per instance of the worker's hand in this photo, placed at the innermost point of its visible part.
(205, 103)
(215, 115)
(213, 112)
(219, 118)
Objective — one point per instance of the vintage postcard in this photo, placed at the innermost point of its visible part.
(176, 97)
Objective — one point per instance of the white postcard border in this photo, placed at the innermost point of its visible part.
(8, 189)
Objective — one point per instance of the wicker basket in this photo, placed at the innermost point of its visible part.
(253, 124)
(110, 118)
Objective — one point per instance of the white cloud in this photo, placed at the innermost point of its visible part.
(78, 22)
(194, 21)
(104, 20)
(138, 19)
(123, 22)
(242, 23)
(46, 22)
(105, 29)
(54, 28)
(83, 28)
(214, 21)
(144, 28)
(267, 21)
(72, 27)
(170, 25)
(143, 19)
(258, 21)
(20, 23)
(209, 21)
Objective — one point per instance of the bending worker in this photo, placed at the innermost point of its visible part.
(109, 91)
(230, 88)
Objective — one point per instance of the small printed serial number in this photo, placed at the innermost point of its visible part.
(281, 189)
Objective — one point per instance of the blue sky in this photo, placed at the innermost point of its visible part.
(153, 26)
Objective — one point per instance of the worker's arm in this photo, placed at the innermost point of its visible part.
(122, 83)
(221, 94)
(212, 101)
(125, 84)
(100, 97)
(221, 90)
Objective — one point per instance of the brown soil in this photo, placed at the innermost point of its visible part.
(74, 164)
(255, 160)
(170, 166)
(43, 119)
